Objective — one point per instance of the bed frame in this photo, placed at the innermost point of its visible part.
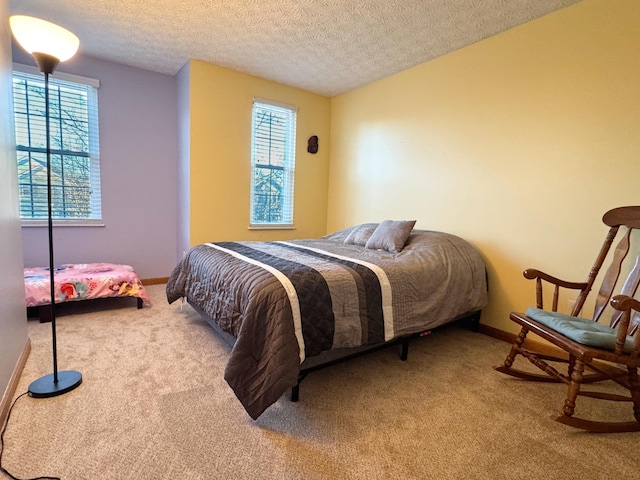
(44, 312)
(334, 356)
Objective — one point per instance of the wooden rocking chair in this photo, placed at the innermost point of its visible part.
(605, 352)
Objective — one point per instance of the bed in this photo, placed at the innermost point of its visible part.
(75, 282)
(290, 305)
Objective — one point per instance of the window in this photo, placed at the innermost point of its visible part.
(75, 159)
(272, 164)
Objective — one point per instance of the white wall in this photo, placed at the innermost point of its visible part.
(183, 171)
(13, 322)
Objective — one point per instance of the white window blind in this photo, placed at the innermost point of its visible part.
(75, 151)
(272, 164)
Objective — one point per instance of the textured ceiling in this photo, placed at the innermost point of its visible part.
(324, 46)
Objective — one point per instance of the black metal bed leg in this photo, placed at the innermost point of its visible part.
(475, 322)
(405, 349)
(295, 392)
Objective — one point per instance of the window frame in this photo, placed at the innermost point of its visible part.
(93, 153)
(289, 148)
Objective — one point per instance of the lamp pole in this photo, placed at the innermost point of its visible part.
(52, 289)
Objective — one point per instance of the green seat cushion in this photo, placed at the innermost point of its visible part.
(581, 330)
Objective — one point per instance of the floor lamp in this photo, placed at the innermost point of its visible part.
(49, 45)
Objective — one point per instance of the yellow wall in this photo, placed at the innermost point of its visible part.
(518, 143)
(220, 140)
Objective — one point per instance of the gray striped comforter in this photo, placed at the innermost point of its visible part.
(286, 301)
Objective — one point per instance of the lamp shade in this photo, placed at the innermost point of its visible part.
(39, 36)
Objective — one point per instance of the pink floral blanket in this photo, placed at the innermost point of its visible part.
(83, 282)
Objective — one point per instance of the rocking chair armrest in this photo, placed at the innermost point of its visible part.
(628, 323)
(531, 273)
(624, 303)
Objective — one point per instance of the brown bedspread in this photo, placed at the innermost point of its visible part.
(285, 301)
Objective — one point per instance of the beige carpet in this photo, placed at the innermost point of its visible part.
(153, 405)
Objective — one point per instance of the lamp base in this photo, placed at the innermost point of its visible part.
(45, 387)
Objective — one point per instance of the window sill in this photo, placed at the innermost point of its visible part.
(272, 227)
(63, 223)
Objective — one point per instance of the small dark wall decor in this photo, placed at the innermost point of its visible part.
(313, 144)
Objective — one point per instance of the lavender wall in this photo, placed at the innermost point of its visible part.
(138, 146)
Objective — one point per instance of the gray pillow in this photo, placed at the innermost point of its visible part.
(360, 234)
(391, 235)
